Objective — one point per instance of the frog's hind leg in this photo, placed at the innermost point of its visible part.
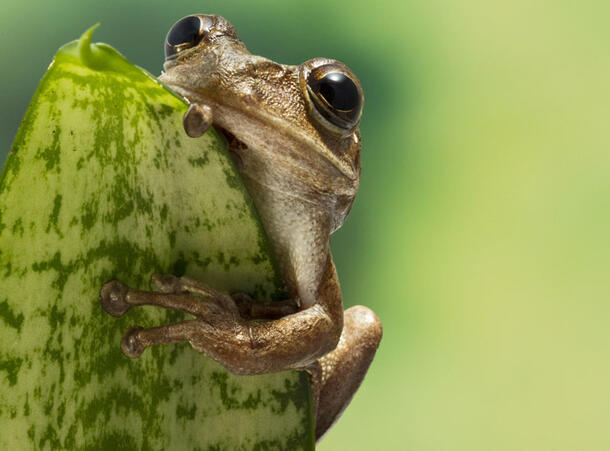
(336, 376)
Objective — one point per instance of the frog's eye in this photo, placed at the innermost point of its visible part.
(187, 33)
(336, 94)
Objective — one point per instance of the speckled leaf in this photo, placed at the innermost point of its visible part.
(102, 183)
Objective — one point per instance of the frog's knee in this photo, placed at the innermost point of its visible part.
(364, 323)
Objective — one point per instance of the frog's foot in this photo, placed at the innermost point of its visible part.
(336, 376)
(206, 304)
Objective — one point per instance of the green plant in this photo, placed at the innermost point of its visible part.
(102, 183)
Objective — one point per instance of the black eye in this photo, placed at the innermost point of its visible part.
(338, 90)
(186, 33)
(335, 94)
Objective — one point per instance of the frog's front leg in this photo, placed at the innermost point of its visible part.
(248, 307)
(217, 308)
(294, 341)
(303, 340)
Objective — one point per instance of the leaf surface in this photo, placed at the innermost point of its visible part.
(103, 183)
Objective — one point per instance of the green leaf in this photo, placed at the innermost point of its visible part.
(103, 183)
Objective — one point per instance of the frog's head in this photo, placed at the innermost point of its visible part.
(292, 128)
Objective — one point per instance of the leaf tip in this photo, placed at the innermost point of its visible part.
(88, 52)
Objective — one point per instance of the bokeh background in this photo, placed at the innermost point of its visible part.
(481, 231)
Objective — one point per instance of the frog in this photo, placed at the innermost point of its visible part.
(293, 132)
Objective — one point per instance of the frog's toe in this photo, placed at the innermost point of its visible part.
(131, 344)
(166, 283)
(113, 298)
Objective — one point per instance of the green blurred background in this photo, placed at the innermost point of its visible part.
(480, 233)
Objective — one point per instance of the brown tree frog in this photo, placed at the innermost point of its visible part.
(294, 133)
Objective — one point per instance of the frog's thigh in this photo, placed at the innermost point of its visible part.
(343, 369)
